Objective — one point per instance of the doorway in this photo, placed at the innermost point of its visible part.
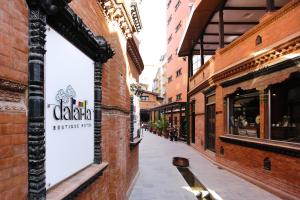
(210, 122)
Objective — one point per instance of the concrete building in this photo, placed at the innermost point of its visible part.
(66, 125)
(160, 80)
(243, 111)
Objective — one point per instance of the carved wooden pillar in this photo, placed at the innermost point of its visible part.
(202, 50)
(97, 112)
(180, 125)
(36, 130)
(131, 118)
(172, 116)
(221, 28)
(270, 5)
(263, 109)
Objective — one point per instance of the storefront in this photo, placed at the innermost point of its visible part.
(174, 113)
(244, 96)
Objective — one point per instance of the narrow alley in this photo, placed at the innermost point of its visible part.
(158, 179)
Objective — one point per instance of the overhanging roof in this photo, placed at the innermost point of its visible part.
(239, 16)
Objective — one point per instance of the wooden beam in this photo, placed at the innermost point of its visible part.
(190, 65)
(247, 8)
(197, 52)
(225, 34)
(270, 5)
(212, 42)
(205, 50)
(201, 51)
(234, 23)
(221, 29)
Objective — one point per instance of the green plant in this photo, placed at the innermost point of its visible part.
(162, 125)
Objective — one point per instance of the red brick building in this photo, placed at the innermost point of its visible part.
(148, 100)
(89, 26)
(176, 68)
(244, 101)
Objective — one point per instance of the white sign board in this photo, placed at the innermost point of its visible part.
(136, 115)
(69, 103)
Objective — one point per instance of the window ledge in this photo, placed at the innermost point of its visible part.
(266, 145)
(135, 142)
(72, 186)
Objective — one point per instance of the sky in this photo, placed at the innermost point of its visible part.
(152, 37)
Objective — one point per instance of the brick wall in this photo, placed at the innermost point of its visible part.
(123, 162)
(151, 103)
(285, 173)
(13, 120)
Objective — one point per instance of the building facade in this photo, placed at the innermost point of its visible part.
(148, 100)
(59, 146)
(244, 101)
(176, 67)
(160, 79)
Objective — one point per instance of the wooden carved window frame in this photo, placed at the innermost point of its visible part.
(61, 18)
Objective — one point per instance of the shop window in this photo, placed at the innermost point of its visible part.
(285, 110)
(175, 120)
(244, 113)
(178, 72)
(178, 97)
(144, 98)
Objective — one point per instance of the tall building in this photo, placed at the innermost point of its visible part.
(160, 79)
(244, 102)
(176, 68)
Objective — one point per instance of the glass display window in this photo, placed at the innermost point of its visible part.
(285, 110)
(244, 113)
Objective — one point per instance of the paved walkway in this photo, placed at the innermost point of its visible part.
(160, 180)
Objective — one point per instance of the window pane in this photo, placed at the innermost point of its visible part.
(285, 111)
(244, 114)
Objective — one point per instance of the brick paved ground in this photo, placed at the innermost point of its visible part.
(160, 180)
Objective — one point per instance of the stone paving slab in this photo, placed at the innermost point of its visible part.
(160, 180)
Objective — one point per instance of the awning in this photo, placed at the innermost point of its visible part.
(238, 16)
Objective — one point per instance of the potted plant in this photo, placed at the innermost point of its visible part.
(154, 127)
(162, 126)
